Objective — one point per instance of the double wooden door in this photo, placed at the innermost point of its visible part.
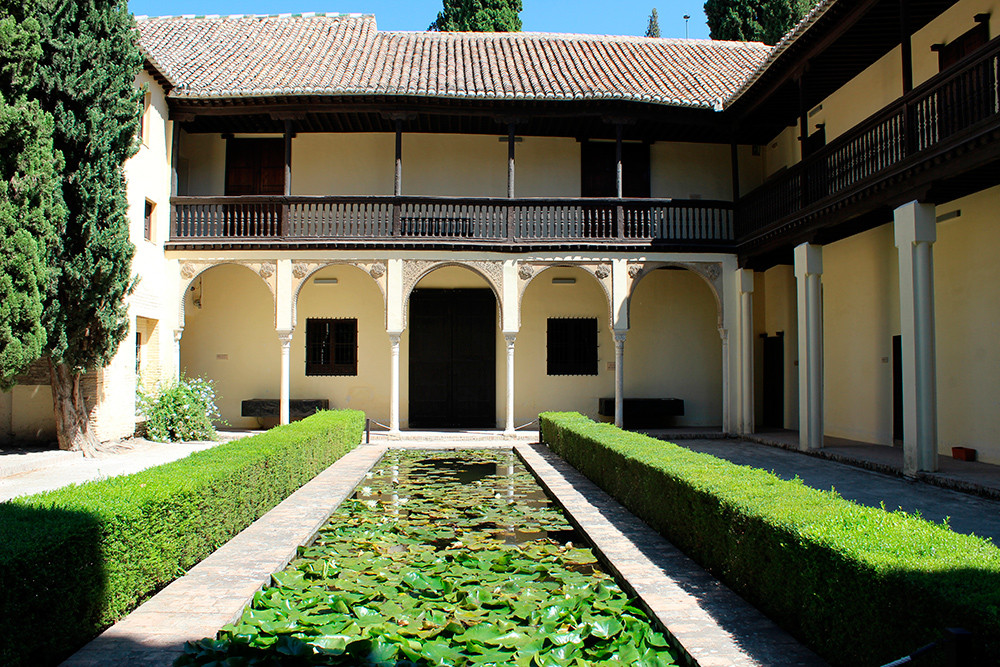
(452, 358)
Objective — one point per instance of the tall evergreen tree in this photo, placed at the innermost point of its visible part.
(653, 28)
(86, 80)
(753, 20)
(479, 16)
(31, 209)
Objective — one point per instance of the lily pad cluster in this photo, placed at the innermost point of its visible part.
(441, 558)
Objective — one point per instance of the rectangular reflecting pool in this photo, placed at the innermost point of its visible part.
(441, 558)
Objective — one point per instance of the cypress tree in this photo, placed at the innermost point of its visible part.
(653, 28)
(479, 16)
(86, 80)
(753, 20)
(31, 209)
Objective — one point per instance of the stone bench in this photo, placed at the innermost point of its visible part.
(644, 412)
(298, 408)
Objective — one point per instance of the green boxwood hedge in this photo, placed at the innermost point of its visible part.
(75, 560)
(860, 585)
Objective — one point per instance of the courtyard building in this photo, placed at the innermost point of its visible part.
(454, 230)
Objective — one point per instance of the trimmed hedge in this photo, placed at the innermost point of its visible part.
(75, 560)
(859, 585)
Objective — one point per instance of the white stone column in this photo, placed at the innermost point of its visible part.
(620, 377)
(178, 332)
(745, 285)
(808, 270)
(726, 416)
(286, 349)
(510, 338)
(394, 382)
(915, 233)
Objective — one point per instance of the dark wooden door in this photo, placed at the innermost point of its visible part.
(452, 358)
(897, 388)
(774, 382)
(255, 167)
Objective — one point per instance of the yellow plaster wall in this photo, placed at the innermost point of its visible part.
(32, 417)
(534, 391)
(345, 164)
(691, 171)
(231, 339)
(547, 167)
(453, 165)
(673, 349)
(202, 168)
(860, 317)
(782, 151)
(967, 305)
(952, 23)
(6, 415)
(780, 315)
(354, 296)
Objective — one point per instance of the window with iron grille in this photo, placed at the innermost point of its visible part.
(572, 346)
(331, 347)
(147, 223)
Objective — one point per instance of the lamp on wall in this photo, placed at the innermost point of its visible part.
(325, 281)
(564, 281)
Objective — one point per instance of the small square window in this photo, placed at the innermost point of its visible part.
(143, 120)
(331, 347)
(147, 223)
(572, 346)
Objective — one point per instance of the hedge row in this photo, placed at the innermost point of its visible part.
(859, 585)
(75, 560)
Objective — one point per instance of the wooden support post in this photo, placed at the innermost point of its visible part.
(906, 57)
(175, 152)
(510, 160)
(397, 186)
(734, 157)
(619, 189)
(283, 223)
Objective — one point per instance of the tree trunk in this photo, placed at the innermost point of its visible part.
(72, 423)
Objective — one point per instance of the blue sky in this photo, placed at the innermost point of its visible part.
(614, 17)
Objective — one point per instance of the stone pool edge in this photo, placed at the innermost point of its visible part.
(217, 590)
(715, 627)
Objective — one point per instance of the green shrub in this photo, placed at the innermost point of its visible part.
(179, 410)
(75, 560)
(859, 585)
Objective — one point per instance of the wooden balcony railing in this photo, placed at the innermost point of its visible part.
(429, 219)
(937, 113)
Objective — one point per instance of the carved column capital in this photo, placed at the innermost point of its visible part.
(510, 338)
(620, 337)
(178, 332)
(286, 339)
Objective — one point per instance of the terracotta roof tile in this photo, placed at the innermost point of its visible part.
(254, 56)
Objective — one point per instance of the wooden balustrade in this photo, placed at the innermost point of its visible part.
(412, 219)
(932, 115)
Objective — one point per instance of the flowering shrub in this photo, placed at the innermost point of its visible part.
(181, 410)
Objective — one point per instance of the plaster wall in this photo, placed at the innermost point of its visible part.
(860, 317)
(32, 418)
(6, 415)
(355, 295)
(534, 390)
(344, 164)
(967, 312)
(231, 339)
(673, 349)
(691, 171)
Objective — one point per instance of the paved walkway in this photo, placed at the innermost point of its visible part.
(25, 472)
(967, 513)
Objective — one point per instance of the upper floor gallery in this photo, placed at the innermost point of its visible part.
(323, 130)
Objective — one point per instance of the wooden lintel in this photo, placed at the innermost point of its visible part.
(287, 115)
(398, 116)
(183, 116)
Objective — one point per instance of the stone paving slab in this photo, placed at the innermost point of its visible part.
(215, 591)
(714, 625)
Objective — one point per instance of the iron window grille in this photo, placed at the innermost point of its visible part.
(331, 346)
(571, 346)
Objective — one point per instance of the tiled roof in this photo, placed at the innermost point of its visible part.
(318, 54)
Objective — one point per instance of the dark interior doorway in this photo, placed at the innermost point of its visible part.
(773, 400)
(452, 358)
(897, 389)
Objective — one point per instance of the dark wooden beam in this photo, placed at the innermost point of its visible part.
(734, 158)
(288, 156)
(619, 129)
(397, 183)
(510, 159)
